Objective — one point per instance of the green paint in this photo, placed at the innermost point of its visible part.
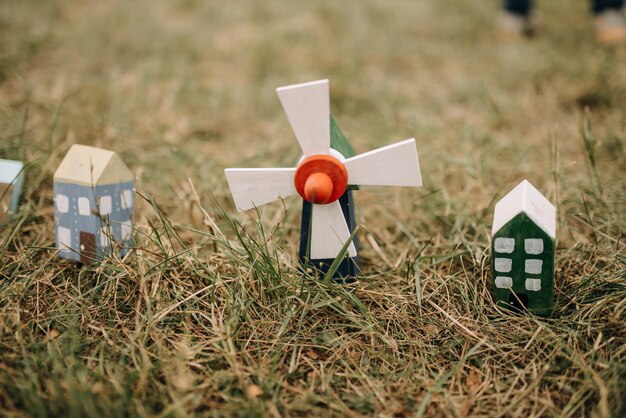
(520, 228)
(339, 142)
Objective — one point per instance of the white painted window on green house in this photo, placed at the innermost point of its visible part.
(503, 265)
(504, 245)
(504, 282)
(533, 285)
(533, 266)
(533, 246)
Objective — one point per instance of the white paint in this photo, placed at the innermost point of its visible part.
(308, 111)
(126, 199)
(126, 229)
(329, 232)
(533, 246)
(533, 266)
(106, 205)
(394, 165)
(83, 206)
(503, 282)
(533, 285)
(104, 237)
(62, 202)
(525, 198)
(504, 245)
(253, 187)
(503, 265)
(65, 238)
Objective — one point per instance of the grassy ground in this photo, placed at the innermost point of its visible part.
(207, 317)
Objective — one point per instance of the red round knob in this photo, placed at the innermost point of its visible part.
(322, 178)
(318, 188)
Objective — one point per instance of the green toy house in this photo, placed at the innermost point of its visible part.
(522, 250)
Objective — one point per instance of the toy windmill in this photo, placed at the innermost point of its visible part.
(323, 175)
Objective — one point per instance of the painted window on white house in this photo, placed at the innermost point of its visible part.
(126, 199)
(127, 228)
(504, 282)
(533, 285)
(504, 245)
(533, 246)
(65, 238)
(62, 202)
(83, 206)
(533, 266)
(106, 205)
(503, 265)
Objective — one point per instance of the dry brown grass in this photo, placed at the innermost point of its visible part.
(206, 319)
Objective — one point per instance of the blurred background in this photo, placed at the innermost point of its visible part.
(182, 89)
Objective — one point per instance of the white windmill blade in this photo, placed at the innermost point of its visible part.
(394, 165)
(329, 232)
(252, 187)
(307, 108)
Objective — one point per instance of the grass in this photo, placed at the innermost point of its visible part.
(210, 314)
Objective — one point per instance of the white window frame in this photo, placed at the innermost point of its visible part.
(126, 199)
(504, 245)
(84, 207)
(503, 265)
(64, 236)
(126, 230)
(62, 203)
(106, 205)
(504, 282)
(105, 240)
(532, 284)
(533, 246)
(533, 266)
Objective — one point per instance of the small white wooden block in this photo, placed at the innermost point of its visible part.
(329, 232)
(504, 282)
(307, 106)
(253, 187)
(393, 165)
(533, 285)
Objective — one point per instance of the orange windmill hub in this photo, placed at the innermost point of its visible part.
(321, 179)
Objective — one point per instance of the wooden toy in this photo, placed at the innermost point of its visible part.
(348, 268)
(522, 248)
(93, 201)
(11, 179)
(323, 175)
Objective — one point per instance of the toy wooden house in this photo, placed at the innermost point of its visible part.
(93, 204)
(11, 179)
(522, 250)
